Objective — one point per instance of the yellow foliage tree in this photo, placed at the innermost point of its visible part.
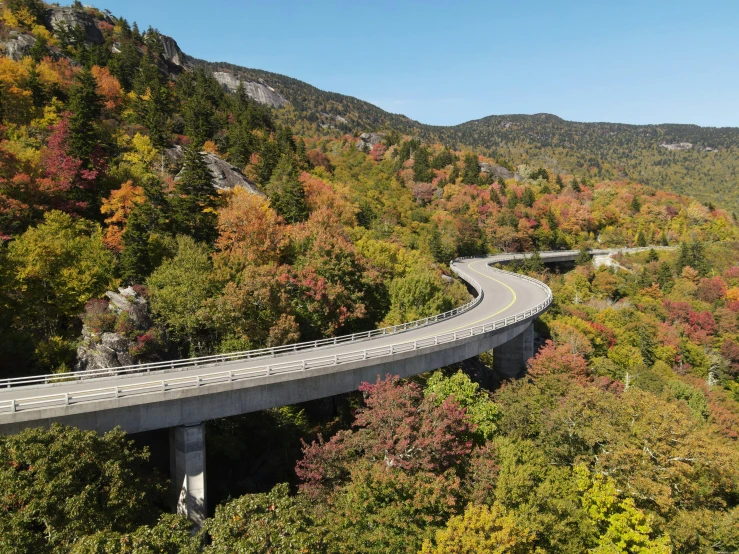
(489, 529)
(119, 206)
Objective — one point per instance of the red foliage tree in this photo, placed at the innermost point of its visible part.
(555, 359)
(711, 289)
(398, 427)
(378, 151)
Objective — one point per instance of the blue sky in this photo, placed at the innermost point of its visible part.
(446, 62)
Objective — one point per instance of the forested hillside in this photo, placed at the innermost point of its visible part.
(148, 213)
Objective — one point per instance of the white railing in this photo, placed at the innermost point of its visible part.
(217, 359)
(298, 366)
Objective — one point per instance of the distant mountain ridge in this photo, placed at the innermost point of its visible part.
(689, 159)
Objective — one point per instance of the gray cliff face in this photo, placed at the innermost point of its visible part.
(172, 52)
(113, 349)
(225, 176)
(259, 92)
(17, 45)
(368, 140)
(59, 18)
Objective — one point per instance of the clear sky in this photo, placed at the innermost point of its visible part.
(446, 62)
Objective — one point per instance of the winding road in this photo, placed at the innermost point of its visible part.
(166, 394)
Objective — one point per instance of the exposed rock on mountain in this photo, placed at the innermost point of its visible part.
(17, 45)
(113, 349)
(496, 170)
(368, 140)
(172, 53)
(59, 18)
(225, 176)
(677, 146)
(259, 92)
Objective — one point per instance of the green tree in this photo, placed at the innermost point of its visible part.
(584, 257)
(59, 266)
(179, 288)
(86, 106)
(640, 238)
(480, 409)
(622, 527)
(172, 534)
(422, 172)
(653, 256)
(195, 199)
(575, 185)
(286, 193)
(274, 522)
(58, 485)
(527, 197)
(471, 171)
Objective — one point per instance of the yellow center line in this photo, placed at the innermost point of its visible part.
(465, 326)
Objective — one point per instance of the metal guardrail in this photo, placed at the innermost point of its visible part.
(215, 359)
(175, 383)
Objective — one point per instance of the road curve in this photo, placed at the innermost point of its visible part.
(134, 397)
(504, 299)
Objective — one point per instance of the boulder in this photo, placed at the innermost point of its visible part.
(129, 301)
(496, 170)
(257, 91)
(17, 45)
(106, 350)
(368, 140)
(60, 18)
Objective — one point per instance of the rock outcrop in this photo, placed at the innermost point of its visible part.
(17, 45)
(257, 91)
(368, 140)
(225, 176)
(109, 349)
(677, 146)
(496, 170)
(172, 53)
(61, 18)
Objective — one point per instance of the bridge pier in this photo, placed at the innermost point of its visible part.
(187, 471)
(509, 359)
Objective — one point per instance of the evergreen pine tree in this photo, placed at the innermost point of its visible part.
(640, 239)
(684, 258)
(434, 244)
(286, 192)
(454, 174)
(39, 50)
(471, 171)
(195, 200)
(664, 277)
(422, 172)
(86, 106)
(527, 197)
(512, 199)
(34, 84)
(575, 185)
(636, 204)
(558, 181)
(653, 256)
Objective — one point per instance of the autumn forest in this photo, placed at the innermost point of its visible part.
(149, 212)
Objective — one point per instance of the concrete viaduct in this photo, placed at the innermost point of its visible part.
(182, 394)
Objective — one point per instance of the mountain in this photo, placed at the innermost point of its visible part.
(688, 159)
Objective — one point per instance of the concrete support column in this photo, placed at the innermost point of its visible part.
(187, 471)
(509, 359)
